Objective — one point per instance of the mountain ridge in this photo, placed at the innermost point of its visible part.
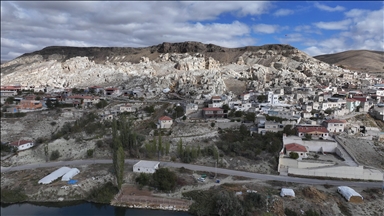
(362, 60)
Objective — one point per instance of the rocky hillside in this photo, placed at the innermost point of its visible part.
(190, 68)
(362, 60)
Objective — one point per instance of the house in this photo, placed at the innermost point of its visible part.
(213, 112)
(299, 149)
(22, 144)
(146, 166)
(30, 104)
(126, 108)
(306, 115)
(96, 89)
(245, 96)
(314, 131)
(273, 98)
(165, 122)
(352, 104)
(378, 112)
(111, 91)
(335, 125)
(190, 108)
(216, 102)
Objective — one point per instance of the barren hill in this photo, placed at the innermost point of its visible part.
(360, 60)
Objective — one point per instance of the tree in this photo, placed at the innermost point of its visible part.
(9, 100)
(164, 179)
(118, 155)
(225, 107)
(289, 130)
(143, 179)
(238, 113)
(180, 148)
(101, 104)
(250, 116)
(294, 155)
(261, 98)
(55, 155)
(49, 104)
(90, 153)
(167, 147)
(308, 136)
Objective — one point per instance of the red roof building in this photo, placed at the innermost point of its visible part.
(314, 131)
(295, 147)
(165, 118)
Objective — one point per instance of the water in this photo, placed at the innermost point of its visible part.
(82, 209)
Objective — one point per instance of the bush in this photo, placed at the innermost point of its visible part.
(164, 179)
(103, 194)
(289, 212)
(99, 143)
(55, 155)
(12, 196)
(101, 104)
(293, 155)
(143, 179)
(53, 123)
(90, 153)
(212, 124)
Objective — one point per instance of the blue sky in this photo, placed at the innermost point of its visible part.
(313, 27)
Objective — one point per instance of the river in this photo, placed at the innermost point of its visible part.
(79, 208)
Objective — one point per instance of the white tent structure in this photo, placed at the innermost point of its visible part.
(70, 174)
(349, 194)
(54, 175)
(287, 192)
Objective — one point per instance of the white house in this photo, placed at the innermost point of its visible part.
(301, 150)
(126, 108)
(273, 98)
(335, 125)
(146, 166)
(190, 108)
(23, 144)
(165, 122)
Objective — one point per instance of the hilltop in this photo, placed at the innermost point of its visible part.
(361, 60)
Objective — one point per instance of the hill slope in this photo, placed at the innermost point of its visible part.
(360, 60)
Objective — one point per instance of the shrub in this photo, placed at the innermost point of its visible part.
(293, 155)
(53, 123)
(12, 196)
(164, 179)
(99, 143)
(55, 155)
(212, 124)
(289, 212)
(90, 153)
(143, 179)
(103, 194)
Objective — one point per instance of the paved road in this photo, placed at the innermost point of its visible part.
(307, 181)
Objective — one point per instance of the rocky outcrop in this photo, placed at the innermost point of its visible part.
(189, 68)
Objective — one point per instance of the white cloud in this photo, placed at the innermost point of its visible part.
(35, 25)
(327, 8)
(283, 12)
(266, 29)
(338, 25)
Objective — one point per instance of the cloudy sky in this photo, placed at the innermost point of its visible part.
(313, 27)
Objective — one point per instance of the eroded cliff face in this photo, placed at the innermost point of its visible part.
(183, 67)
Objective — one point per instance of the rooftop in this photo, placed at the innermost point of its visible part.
(295, 147)
(144, 163)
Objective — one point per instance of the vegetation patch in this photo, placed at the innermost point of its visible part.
(103, 194)
(13, 196)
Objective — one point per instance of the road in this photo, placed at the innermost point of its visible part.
(307, 181)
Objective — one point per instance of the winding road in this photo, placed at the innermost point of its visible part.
(307, 181)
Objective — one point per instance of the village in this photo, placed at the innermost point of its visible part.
(305, 130)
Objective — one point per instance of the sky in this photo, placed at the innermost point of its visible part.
(322, 27)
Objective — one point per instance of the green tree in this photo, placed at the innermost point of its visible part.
(293, 155)
(118, 155)
(55, 155)
(180, 148)
(9, 100)
(143, 179)
(238, 113)
(164, 179)
(101, 104)
(262, 98)
(90, 153)
(167, 147)
(289, 130)
(49, 104)
(225, 107)
(250, 116)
